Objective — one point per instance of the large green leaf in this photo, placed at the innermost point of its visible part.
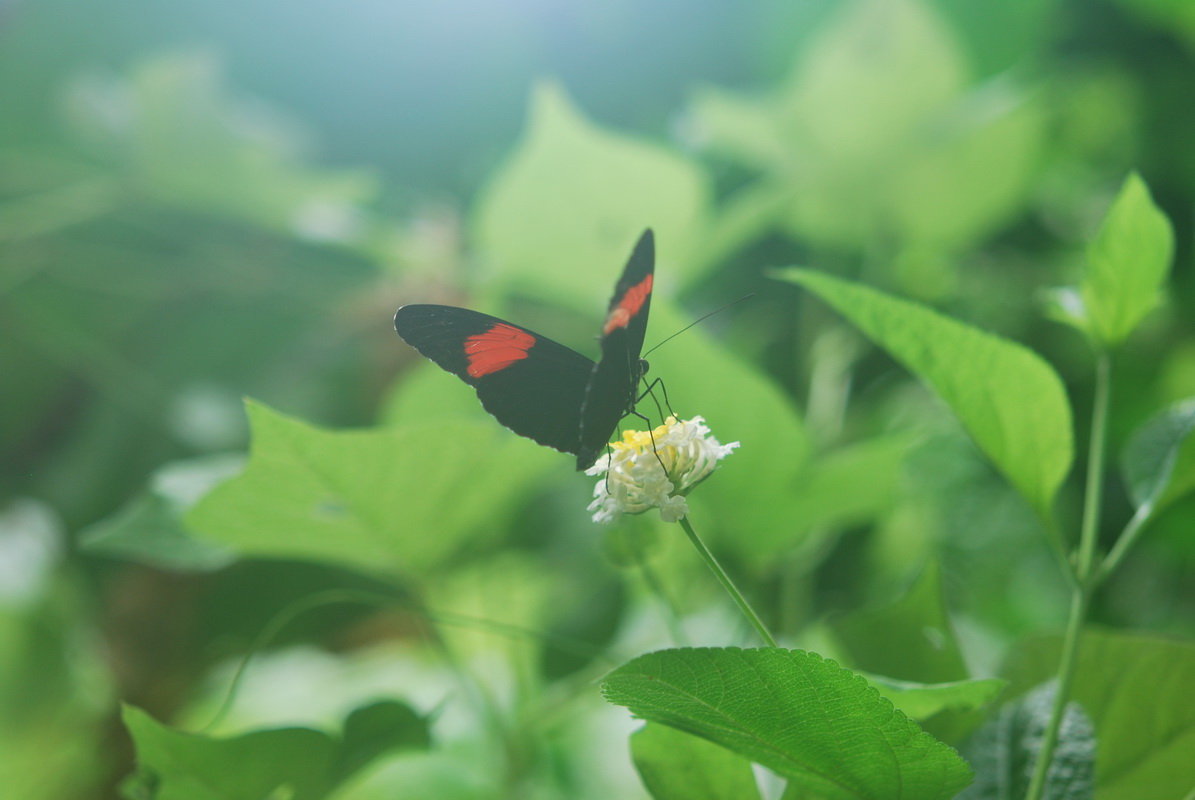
(675, 765)
(561, 216)
(1137, 690)
(1011, 402)
(1127, 265)
(396, 499)
(795, 713)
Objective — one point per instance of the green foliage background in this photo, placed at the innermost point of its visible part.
(203, 202)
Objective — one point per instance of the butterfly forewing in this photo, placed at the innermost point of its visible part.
(529, 383)
(614, 384)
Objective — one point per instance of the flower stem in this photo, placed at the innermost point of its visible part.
(727, 584)
(1086, 577)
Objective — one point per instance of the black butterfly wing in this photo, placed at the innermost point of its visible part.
(614, 384)
(529, 383)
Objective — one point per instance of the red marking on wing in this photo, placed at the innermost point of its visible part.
(622, 314)
(496, 349)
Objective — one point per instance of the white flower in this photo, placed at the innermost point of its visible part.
(655, 469)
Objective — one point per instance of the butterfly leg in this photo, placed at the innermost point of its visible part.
(650, 430)
(649, 391)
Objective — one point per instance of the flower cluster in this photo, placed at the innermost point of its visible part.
(655, 469)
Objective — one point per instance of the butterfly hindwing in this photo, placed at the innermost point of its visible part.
(529, 383)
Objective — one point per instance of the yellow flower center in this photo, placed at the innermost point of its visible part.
(642, 441)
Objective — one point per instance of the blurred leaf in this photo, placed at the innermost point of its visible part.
(879, 136)
(150, 530)
(754, 492)
(911, 639)
(383, 727)
(1127, 265)
(971, 171)
(675, 765)
(871, 80)
(561, 216)
(588, 611)
(1011, 402)
(1137, 690)
(1004, 752)
(1156, 449)
(1177, 17)
(398, 499)
(299, 763)
(748, 129)
(496, 609)
(422, 776)
(920, 701)
(56, 682)
(190, 144)
(847, 486)
(49, 209)
(795, 713)
(426, 394)
(745, 216)
(995, 43)
(173, 765)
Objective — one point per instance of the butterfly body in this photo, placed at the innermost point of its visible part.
(537, 387)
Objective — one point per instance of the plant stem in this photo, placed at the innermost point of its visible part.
(1084, 573)
(727, 584)
(1128, 538)
(1095, 471)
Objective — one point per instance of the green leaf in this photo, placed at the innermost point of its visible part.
(398, 499)
(561, 216)
(150, 529)
(920, 701)
(1004, 752)
(298, 763)
(172, 765)
(675, 765)
(911, 639)
(1011, 402)
(1137, 690)
(1127, 265)
(795, 713)
(1153, 453)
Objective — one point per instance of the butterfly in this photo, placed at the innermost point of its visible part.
(539, 388)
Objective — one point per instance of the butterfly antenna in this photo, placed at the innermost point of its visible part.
(698, 322)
